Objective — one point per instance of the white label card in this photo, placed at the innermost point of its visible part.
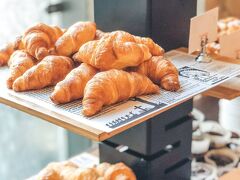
(204, 25)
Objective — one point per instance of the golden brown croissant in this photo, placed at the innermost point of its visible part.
(102, 168)
(154, 48)
(49, 71)
(40, 38)
(78, 34)
(72, 87)
(213, 48)
(67, 171)
(119, 171)
(7, 50)
(112, 86)
(99, 34)
(161, 71)
(115, 51)
(20, 61)
(83, 174)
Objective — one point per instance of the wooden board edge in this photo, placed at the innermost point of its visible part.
(85, 131)
(105, 135)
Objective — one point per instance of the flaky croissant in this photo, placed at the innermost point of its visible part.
(40, 38)
(115, 51)
(78, 34)
(20, 61)
(154, 48)
(119, 171)
(67, 171)
(7, 50)
(53, 170)
(72, 87)
(112, 86)
(99, 34)
(161, 71)
(102, 168)
(70, 171)
(49, 71)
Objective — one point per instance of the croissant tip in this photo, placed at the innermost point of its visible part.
(9, 83)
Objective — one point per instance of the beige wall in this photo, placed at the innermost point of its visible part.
(227, 7)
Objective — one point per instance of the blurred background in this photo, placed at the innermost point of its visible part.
(28, 143)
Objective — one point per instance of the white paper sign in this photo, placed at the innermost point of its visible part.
(230, 45)
(201, 26)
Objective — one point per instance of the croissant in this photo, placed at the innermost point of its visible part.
(112, 86)
(7, 50)
(154, 48)
(40, 38)
(213, 48)
(49, 71)
(78, 34)
(20, 61)
(161, 71)
(119, 170)
(66, 171)
(114, 51)
(102, 168)
(99, 34)
(53, 170)
(72, 87)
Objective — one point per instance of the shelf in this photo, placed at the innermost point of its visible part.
(113, 119)
(228, 90)
(34, 108)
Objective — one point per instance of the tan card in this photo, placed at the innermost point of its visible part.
(230, 45)
(201, 26)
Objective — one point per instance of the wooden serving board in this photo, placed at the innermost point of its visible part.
(113, 119)
(9, 98)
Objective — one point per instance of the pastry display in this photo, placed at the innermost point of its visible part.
(218, 136)
(99, 34)
(161, 71)
(83, 62)
(109, 87)
(215, 146)
(225, 26)
(154, 48)
(70, 171)
(118, 50)
(49, 71)
(200, 146)
(228, 25)
(224, 159)
(203, 171)
(20, 61)
(77, 34)
(72, 87)
(40, 38)
(119, 171)
(7, 50)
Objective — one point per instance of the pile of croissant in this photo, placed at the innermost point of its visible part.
(225, 26)
(70, 171)
(83, 62)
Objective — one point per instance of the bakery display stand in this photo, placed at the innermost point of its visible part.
(154, 138)
(159, 148)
